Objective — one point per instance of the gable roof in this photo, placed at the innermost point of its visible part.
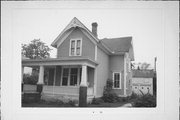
(112, 46)
(122, 44)
(143, 73)
(73, 24)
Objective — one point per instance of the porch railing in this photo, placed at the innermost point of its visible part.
(67, 90)
(64, 90)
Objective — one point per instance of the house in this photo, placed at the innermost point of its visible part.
(84, 61)
(142, 81)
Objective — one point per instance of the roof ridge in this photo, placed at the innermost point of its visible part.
(117, 37)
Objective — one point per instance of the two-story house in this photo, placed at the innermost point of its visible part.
(84, 60)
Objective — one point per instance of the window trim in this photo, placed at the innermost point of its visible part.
(75, 53)
(119, 80)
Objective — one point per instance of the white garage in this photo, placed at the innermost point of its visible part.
(142, 81)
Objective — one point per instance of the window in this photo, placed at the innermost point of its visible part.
(70, 76)
(116, 80)
(75, 47)
(73, 76)
(65, 76)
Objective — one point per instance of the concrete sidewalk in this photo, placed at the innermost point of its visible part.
(127, 105)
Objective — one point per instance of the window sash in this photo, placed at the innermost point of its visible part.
(65, 74)
(73, 76)
(70, 78)
(117, 80)
(75, 47)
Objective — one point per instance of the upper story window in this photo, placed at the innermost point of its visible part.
(117, 80)
(75, 47)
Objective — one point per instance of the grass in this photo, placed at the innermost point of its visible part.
(117, 104)
(51, 104)
(43, 105)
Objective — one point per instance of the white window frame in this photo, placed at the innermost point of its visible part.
(69, 69)
(75, 53)
(119, 80)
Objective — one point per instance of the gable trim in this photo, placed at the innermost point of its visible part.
(66, 35)
(73, 24)
(95, 53)
(85, 33)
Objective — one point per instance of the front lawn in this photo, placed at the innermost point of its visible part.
(117, 104)
(53, 104)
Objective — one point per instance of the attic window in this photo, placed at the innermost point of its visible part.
(75, 47)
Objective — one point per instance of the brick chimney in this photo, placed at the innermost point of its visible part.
(94, 29)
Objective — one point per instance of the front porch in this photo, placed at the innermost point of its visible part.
(62, 79)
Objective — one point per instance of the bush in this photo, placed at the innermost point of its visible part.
(108, 95)
(97, 101)
(58, 102)
(71, 103)
(30, 79)
(133, 96)
(146, 100)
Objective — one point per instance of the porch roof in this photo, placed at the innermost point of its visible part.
(59, 61)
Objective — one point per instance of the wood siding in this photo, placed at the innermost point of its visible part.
(88, 47)
(116, 64)
(102, 71)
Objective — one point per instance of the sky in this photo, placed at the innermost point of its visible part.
(144, 25)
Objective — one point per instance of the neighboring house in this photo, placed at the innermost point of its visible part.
(84, 60)
(142, 81)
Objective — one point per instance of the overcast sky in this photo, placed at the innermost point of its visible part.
(144, 25)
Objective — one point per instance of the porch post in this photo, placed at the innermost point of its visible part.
(22, 83)
(40, 79)
(83, 88)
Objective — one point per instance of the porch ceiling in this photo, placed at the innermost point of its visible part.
(59, 61)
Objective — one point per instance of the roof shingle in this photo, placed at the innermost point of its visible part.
(143, 73)
(122, 44)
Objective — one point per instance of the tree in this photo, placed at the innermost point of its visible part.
(36, 49)
(141, 66)
(144, 66)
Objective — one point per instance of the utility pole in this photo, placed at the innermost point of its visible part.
(155, 77)
(155, 59)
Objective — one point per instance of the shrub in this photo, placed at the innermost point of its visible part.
(97, 101)
(30, 79)
(108, 95)
(58, 102)
(146, 100)
(71, 103)
(133, 96)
